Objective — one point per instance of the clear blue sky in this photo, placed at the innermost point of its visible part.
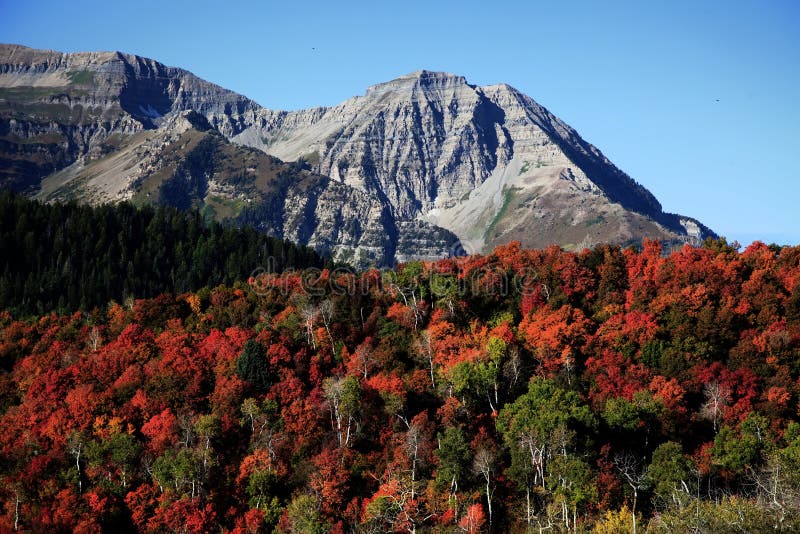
(696, 100)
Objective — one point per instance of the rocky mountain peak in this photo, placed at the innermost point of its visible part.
(419, 80)
(425, 157)
(488, 163)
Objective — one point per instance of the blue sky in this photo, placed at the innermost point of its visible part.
(696, 100)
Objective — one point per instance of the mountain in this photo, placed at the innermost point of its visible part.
(104, 127)
(186, 163)
(57, 108)
(487, 163)
(420, 166)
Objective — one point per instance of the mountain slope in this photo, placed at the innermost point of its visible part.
(56, 108)
(412, 164)
(487, 163)
(104, 127)
(187, 164)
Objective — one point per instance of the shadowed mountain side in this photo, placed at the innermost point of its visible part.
(188, 164)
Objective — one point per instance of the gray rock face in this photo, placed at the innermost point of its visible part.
(420, 166)
(409, 140)
(143, 88)
(187, 164)
(105, 127)
(58, 108)
(487, 163)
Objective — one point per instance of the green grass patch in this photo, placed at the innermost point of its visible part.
(150, 185)
(81, 77)
(27, 94)
(594, 220)
(38, 111)
(508, 195)
(223, 208)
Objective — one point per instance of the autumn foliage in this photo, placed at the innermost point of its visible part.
(519, 390)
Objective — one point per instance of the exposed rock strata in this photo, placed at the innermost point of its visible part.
(411, 164)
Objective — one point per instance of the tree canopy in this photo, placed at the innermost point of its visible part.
(604, 390)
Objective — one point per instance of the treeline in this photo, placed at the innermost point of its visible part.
(523, 391)
(65, 257)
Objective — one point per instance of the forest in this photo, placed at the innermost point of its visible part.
(611, 390)
(66, 257)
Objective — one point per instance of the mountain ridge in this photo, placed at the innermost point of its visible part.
(497, 119)
(485, 165)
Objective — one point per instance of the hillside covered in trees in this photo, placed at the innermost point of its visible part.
(606, 390)
(66, 257)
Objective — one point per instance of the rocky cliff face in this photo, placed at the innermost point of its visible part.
(487, 163)
(58, 108)
(140, 87)
(105, 127)
(410, 140)
(398, 173)
(186, 163)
